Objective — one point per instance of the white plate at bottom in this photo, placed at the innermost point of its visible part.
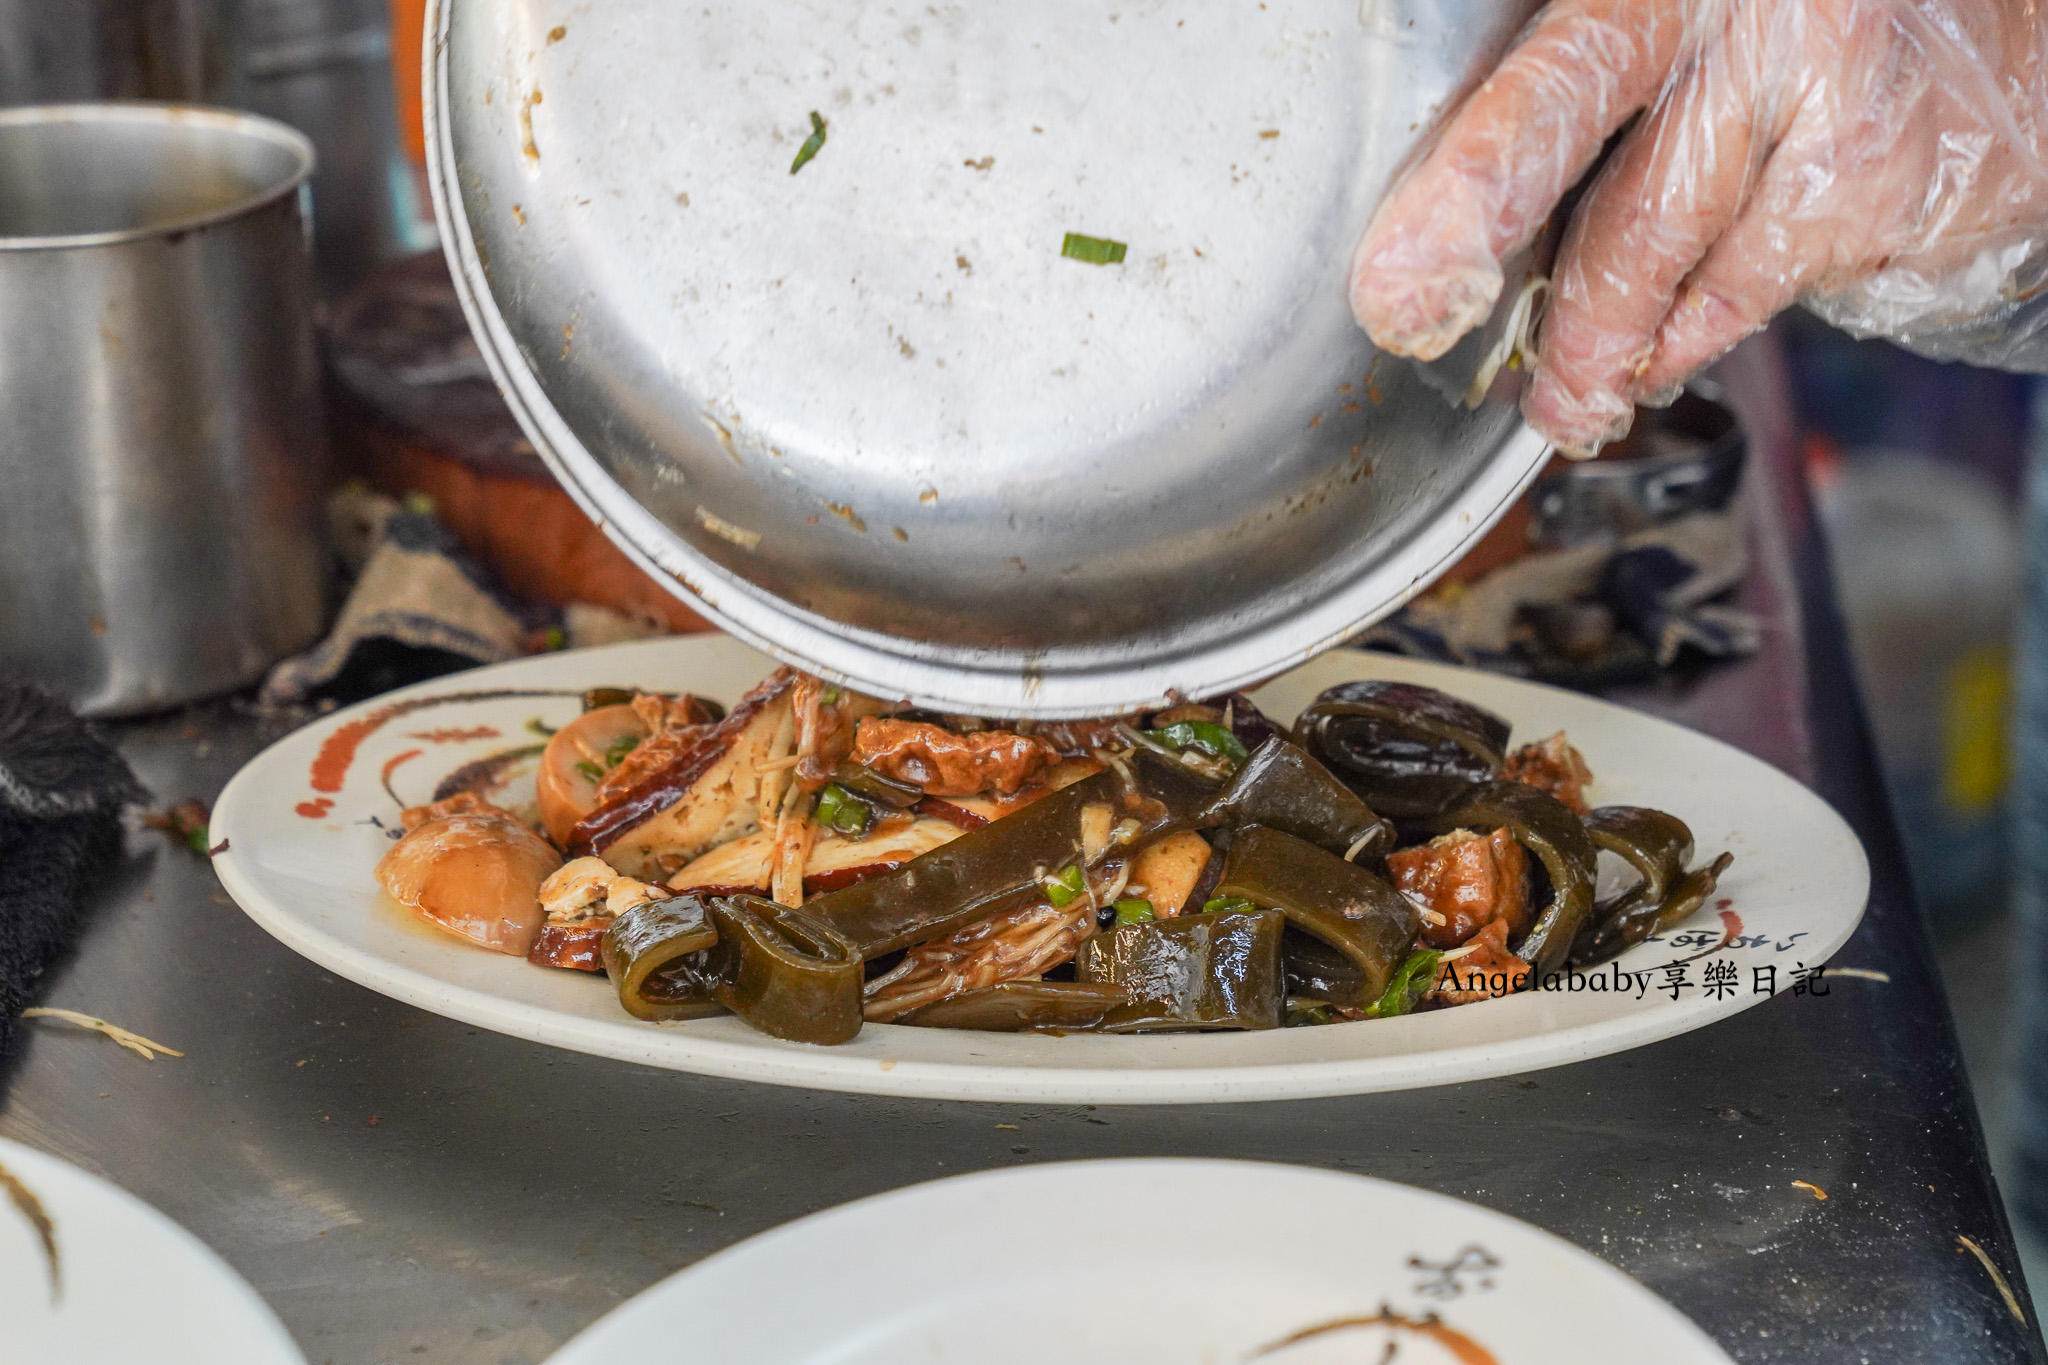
(305, 822)
(1149, 1262)
(132, 1286)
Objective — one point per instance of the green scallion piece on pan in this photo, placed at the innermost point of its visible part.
(812, 144)
(1093, 250)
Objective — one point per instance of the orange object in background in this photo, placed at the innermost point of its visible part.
(413, 411)
(408, 47)
(531, 533)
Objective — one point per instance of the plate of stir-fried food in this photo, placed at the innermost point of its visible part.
(1370, 873)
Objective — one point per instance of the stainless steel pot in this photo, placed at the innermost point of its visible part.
(162, 449)
(324, 67)
(53, 50)
(876, 406)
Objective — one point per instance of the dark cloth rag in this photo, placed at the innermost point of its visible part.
(62, 790)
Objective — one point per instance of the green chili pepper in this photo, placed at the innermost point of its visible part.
(1063, 886)
(653, 954)
(1227, 905)
(1093, 250)
(1134, 910)
(811, 144)
(1281, 787)
(1354, 911)
(1190, 972)
(1411, 981)
(1207, 736)
(591, 771)
(1547, 828)
(841, 810)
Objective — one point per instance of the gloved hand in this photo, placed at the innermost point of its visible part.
(1883, 161)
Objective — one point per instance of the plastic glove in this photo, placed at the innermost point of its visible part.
(1880, 160)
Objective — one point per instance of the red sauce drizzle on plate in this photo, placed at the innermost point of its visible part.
(329, 770)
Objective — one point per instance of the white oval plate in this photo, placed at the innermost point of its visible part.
(301, 860)
(1176, 1262)
(134, 1285)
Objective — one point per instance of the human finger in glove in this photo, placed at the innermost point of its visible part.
(1884, 162)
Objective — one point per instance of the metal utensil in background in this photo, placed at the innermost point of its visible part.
(58, 50)
(1684, 458)
(323, 66)
(162, 449)
(889, 395)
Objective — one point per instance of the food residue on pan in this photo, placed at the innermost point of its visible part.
(134, 1042)
(726, 530)
(527, 146)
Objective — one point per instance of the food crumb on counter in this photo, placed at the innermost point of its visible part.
(134, 1042)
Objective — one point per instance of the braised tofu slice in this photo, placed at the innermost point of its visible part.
(834, 861)
(712, 793)
(1168, 870)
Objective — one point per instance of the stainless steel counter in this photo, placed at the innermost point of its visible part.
(403, 1188)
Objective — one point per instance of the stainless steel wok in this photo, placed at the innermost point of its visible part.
(870, 414)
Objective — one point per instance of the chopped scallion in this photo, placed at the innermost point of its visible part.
(1093, 250)
(840, 810)
(1227, 905)
(591, 771)
(1134, 910)
(811, 144)
(1062, 886)
(1409, 983)
(1207, 736)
